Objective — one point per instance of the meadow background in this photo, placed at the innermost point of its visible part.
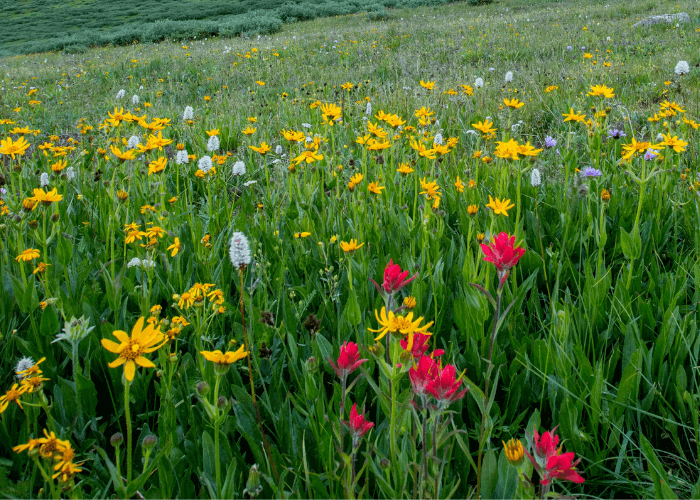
(602, 341)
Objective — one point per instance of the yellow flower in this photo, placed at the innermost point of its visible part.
(226, 358)
(427, 85)
(126, 155)
(513, 103)
(131, 349)
(214, 131)
(7, 147)
(28, 254)
(499, 207)
(409, 302)
(601, 90)
(12, 395)
(514, 451)
(175, 247)
(157, 166)
(571, 116)
(33, 383)
(674, 142)
(262, 149)
(351, 246)
(307, 156)
(430, 189)
(303, 234)
(551, 88)
(605, 195)
(375, 188)
(472, 209)
(249, 130)
(403, 325)
(259, 82)
(459, 185)
(40, 268)
(47, 197)
(485, 128)
(404, 169)
(293, 135)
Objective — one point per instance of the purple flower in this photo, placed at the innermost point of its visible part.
(616, 134)
(583, 48)
(558, 152)
(591, 172)
(650, 154)
(569, 47)
(550, 142)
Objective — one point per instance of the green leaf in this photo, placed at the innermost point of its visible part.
(209, 457)
(507, 478)
(352, 309)
(49, 322)
(656, 471)
(489, 475)
(629, 386)
(88, 395)
(631, 244)
(65, 250)
(325, 347)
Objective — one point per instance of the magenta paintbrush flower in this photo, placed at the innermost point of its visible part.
(348, 361)
(502, 252)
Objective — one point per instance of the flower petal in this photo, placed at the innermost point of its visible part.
(117, 362)
(111, 346)
(145, 362)
(130, 369)
(121, 336)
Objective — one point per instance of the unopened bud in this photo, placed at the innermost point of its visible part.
(384, 463)
(116, 439)
(149, 442)
(202, 389)
(311, 364)
(221, 402)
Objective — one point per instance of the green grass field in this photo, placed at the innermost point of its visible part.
(343, 143)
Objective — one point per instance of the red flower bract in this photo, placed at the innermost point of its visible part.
(394, 278)
(420, 346)
(562, 467)
(358, 425)
(546, 445)
(422, 374)
(348, 361)
(445, 387)
(502, 252)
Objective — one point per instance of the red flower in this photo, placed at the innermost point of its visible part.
(501, 252)
(394, 278)
(348, 361)
(445, 387)
(561, 467)
(422, 374)
(420, 346)
(546, 445)
(357, 425)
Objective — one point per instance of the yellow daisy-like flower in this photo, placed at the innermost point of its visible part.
(28, 254)
(12, 395)
(499, 207)
(262, 149)
(403, 325)
(404, 169)
(351, 246)
(303, 234)
(249, 130)
(513, 103)
(427, 85)
(459, 185)
(375, 188)
(47, 197)
(430, 189)
(227, 358)
(175, 247)
(571, 116)
(131, 349)
(601, 91)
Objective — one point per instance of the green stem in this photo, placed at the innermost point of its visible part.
(127, 414)
(216, 436)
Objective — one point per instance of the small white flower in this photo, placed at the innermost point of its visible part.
(438, 139)
(659, 137)
(478, 83)
(182, 158)
(368, 109)
(148, 263)
(23, 364)
(682, 68)
(188, 114)
(238, 168)
(135, 262)
(249, 183)
(213, 143)
(135, 100)
(472, 132)
(278, 149)
(44, 179)
(70, 174)
(535, 178)
(133, 142)
(509, 77)
(239, 250)
(204, 164)
(306, 125)
(121, 94)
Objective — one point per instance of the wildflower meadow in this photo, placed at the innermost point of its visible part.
(442, 252)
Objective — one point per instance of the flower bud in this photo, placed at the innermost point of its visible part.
(202, 389)
(149, 442)
(116, 439)
(33, 224)
(221, 402)
(253, 487)
(311, 364)
(54, 218)
(384, 463)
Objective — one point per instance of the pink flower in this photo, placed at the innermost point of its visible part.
(445, 387)
(422, 374)
(546, 445)
(358, 425)
(348, 361)
(394, 278)
(420, 346)
(561, 467)
(502, 253)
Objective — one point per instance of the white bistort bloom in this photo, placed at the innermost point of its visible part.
(44, 179)
(23, 365)
(682, 68)
(213, 143)
(148, 263)
(182, 158)
(438, 139)
(535, 178)
(238, 168)
(204, 164)
(188, 113)
(121, 94)
(368, 110)
(135, 262)
(478, 83)
(70, 173)
(279, 150)
(509, 77)
(239, 250)
(135, 100)
(134, 141)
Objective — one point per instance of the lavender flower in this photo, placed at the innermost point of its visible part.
(650, 154)
(550, 141)
(616, 134)
(591, 172)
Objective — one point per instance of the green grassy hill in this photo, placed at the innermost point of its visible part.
(45, 25)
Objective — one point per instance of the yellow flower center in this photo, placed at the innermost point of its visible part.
(133, 351)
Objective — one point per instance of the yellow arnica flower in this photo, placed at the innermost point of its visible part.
(375, 188)
(513, 103)
(47, 197)
(28, 254)
(351, 246)
(131, 349)
(7, 147)
(430, 189)
(409, 302)
(402, 325)
(157, 166)
(12, 395)
(601, 90)
(427, 85)
(262, 149)
(514, 451)
(227, 358)
(303, 234)
(571, 116)
(499, 207)
(175, 247)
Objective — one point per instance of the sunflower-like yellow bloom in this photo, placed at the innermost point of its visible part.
(601, 91)
(157, 166)
(18, 147)
(513, 103)
(430, 189)
(28, 254)
(402, 325)
(262, 149)
(486, 128)
(47, 197)
(351, 246)
(126, 155)
(514, 451)
(499, 207)
(12, 395)
(131, 349)
(571, 116)
(225, 358)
